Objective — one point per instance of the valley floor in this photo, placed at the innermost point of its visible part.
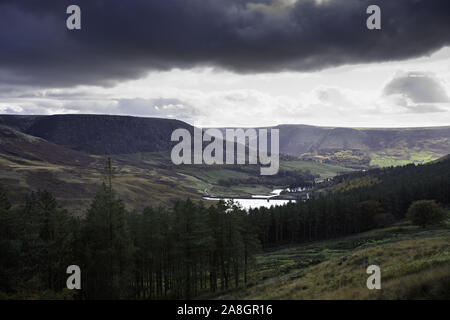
(414, 262)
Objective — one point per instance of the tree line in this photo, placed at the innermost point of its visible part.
(154, 254)
(288, 178)
(336, 214)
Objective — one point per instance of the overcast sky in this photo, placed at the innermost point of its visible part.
(230, 62)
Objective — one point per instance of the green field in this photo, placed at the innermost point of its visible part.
(386, 159)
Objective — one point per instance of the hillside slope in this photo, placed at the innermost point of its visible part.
(29, 163)
(65, 154)
(414, 263)
(362, 148)
(109, 134)
(99, 134)
(300, 139)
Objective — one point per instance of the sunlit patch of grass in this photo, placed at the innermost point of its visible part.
(386, 159)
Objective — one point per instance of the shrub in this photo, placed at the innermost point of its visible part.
(425, 212)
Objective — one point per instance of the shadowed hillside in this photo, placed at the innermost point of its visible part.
(99, 134)
(17, 144)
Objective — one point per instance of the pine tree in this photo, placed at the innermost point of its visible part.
(107, 244)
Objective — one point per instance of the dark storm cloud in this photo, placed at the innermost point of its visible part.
(419, 87)
(125, 39)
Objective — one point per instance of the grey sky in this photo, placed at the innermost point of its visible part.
(230, 63)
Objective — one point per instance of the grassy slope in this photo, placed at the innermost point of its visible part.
(299, 139)
(415, 264)
(323, 169)
(140, 179)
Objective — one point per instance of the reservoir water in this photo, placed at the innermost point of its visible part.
(256, 201)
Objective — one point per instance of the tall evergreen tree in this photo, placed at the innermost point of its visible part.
(107, 245)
